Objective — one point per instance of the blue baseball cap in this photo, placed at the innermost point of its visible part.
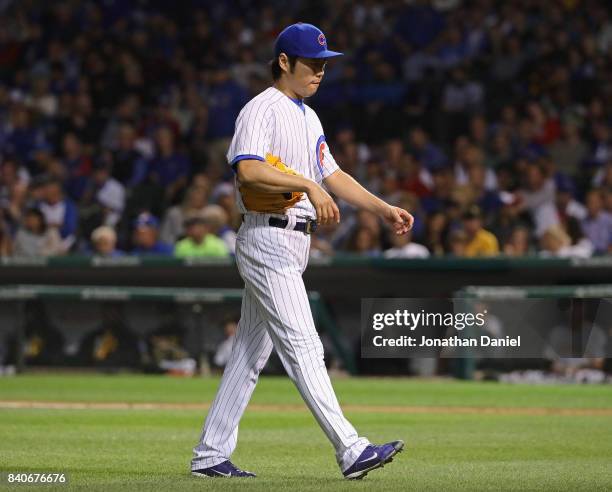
(304, 40)
(145, 219)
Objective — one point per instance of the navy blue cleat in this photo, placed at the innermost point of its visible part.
(223, 470)
(373, 457)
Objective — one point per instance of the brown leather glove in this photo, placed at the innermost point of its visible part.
(261, 201)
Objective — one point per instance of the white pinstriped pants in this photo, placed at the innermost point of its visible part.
(275, 313)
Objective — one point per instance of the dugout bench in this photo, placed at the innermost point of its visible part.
(576, 294)
(19, 295)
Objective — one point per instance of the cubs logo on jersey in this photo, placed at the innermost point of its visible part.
(321, 145)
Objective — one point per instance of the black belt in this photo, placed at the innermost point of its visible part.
(307, 227)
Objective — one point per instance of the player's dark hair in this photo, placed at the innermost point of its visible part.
(276, 69)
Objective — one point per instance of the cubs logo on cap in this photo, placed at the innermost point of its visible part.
(303, 40)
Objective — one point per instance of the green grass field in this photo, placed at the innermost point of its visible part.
(459, 436)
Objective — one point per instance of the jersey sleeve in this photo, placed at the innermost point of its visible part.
(326, 164)
(252, 135)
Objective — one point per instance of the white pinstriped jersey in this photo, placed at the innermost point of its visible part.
(274, 123)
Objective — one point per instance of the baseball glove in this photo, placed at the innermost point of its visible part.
(260, 201)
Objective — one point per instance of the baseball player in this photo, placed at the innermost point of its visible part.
(281, 161)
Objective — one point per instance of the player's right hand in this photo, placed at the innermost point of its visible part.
(327, 210)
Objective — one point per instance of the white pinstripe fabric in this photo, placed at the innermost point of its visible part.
(275, 312)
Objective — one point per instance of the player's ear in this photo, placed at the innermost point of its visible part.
(283, 62)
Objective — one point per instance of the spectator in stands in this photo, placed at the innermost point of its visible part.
(6, 241)
(508, 61)
(567, 205)
(36, 190)
(48, 164)
(461, 97)
(14, 181)
(23, 135)
(224, 195)
(474, 187)
(469, 166)
(194, 202)
(603, 177)
(570, 150)
(597, 225)
(129, 164)
(364, 242)
(84, 122)
(480, 136)
(500, 152)
(518, 243)
(169, 169)
(538, 197)
(403, 247)
(414, 178)
(145, 238)
(77, 166)
(480, 242)
(344, 234)
(109, 194)
(217, 219)
(428, 154)
(200, 241)
(457, 243)
(34, 238)
(581, 245)
(556, 242)
(12, 174)
(104, 242)
(442, 194)
(436, 233)
(60, 212)
(42, 100)
(545, 127)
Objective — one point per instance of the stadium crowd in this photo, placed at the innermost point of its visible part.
(489, 121)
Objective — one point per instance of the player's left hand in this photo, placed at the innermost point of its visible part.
(399, 219)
